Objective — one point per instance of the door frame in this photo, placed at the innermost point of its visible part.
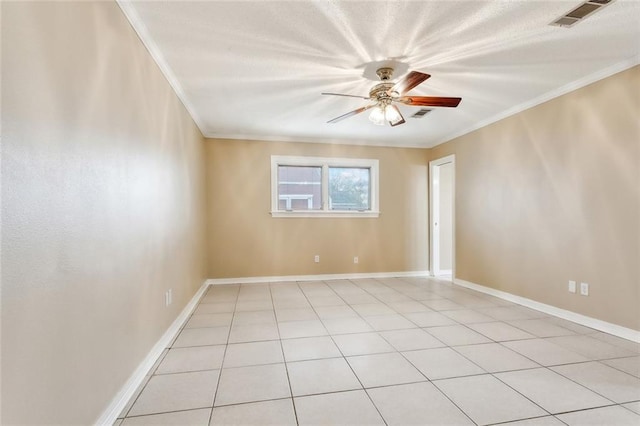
(434, 204)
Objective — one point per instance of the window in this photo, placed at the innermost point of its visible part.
(349, 188)
(323, 187)
(299, 188)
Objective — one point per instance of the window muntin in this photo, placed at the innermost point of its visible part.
(323, 187)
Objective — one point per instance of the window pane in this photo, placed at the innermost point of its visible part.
(349, 188)
(299, 188)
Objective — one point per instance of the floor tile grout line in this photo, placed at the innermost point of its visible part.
(427, 379)
(362, 317)
(586, 335)
(636, 348)
(256, 401)
(579, 410)
(571, 333)
(372, 387)
(553, 414)
(624, 405)
(497, 378)
(520, 393)
(284, 360)
(430, 381)
(195, 346)
(585, 386)
(168, 412)
(528, 418)
(441, 391)
(533, 360)
(493, 342)
(350, 367)
(215, 394)
(619, 369)
(173, 373)
(306, 395)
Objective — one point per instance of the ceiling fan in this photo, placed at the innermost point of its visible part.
(386, 93)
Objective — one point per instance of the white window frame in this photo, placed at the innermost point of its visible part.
(325, 163)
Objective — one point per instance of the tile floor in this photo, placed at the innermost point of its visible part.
(396, 351)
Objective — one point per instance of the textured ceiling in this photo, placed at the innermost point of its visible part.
(255, 69)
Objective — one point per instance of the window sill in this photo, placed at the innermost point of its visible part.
(325, 214)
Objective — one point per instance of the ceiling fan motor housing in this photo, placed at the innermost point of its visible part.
(381, 91)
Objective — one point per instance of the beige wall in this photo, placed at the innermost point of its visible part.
(553, 194)
(102, 208)
(245, 241)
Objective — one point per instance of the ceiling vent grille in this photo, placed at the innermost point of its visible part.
(577, 14)
(421, 113)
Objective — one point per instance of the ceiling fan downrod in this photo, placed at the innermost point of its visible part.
(385, 73)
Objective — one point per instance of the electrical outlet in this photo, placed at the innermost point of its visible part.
(316, 258)
(355, 259)
(166, 298)
(572, 286)
(584, 289)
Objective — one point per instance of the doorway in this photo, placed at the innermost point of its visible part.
(441, 209)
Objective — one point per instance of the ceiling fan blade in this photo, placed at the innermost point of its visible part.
(352, 113)
(436, 101)
(399, 118)
(342, 94)
(408, 82)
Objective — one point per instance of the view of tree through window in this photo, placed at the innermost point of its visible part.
(349, 188)
(299, 188)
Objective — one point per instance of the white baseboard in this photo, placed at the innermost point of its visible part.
(444, 272)
(287, 278)
(109, 416)
(607, 327)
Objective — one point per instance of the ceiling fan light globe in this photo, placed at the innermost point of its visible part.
(392, 115)
(377, 116)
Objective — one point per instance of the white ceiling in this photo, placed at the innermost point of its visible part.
(255, 69)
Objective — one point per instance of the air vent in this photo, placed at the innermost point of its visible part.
(583, 10)
(421, 113)
(579, 13)
(565, 22)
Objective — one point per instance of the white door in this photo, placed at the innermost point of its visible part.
(441, 176)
